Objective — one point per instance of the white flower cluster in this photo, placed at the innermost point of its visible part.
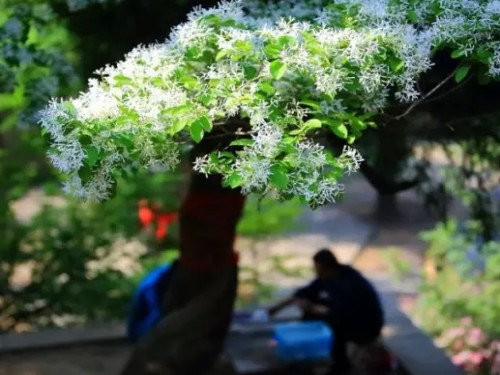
(262, 62)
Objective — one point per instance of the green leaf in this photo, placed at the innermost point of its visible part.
(92, 156)
(272, 50)
(286, 40)
(243, 46)
(85, 140)
(189, 82)
(412, 16)
(234, 180)
(214, 158)
(124, 140)
(250, 72)
(340, 131)
(206, 99)
(337, 127)
(461, 73)
(457, 53)
(128, 114)
(85, 174)
(196, 131)
(193, 52)
(353, 86)
(221, 54)
(211, 19)
(312, 124)
(204, 122)
(242, 142)
(396, 64)
(67, 105)
(156, 81)
(179, 124)
(277, 69)
(121, 80)
(179, 110)
(267, 87)
(278, 177)
(227, 155)
(311, 103)
(483, 54)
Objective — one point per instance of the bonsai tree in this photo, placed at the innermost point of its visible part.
(249, 90)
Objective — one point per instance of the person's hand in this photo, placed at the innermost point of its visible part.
(318, 310)
(272, 311)
(311, 308)
(303, 304)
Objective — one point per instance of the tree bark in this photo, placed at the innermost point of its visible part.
(200, 299)
(382, 171)
(387, 208)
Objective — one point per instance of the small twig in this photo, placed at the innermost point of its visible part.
(426, 96)
(228, 134)
(468, 118)
(232, 121)
(450, 91)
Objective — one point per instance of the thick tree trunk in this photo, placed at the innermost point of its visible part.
(199, 302)
(381, 173)
(387, 208)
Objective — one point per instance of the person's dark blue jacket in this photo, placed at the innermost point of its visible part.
(354, 307)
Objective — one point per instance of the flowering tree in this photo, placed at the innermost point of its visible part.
(327, 70)
(254, 86)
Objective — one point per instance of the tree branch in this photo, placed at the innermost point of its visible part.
(426, 96)
(450, 91)
(469, 118)
(383, 185)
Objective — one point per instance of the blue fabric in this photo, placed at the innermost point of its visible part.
(146, 308)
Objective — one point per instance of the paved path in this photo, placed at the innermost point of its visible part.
(81, 360)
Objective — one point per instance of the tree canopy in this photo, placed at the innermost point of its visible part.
(274, 75)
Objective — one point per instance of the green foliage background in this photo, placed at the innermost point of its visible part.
(467, 284)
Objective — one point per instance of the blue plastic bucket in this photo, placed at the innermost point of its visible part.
(303, 341)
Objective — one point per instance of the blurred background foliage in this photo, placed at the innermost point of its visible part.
(458, 300)
(56, 263)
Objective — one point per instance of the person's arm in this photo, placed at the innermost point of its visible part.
(302, 303)
(316, 309)
(280, 306)
(301, 297)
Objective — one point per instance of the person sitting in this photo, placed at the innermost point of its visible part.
(345, 300)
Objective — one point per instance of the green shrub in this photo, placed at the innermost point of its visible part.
(467, 282)
(83, 260)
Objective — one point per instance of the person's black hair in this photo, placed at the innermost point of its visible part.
(326, 258)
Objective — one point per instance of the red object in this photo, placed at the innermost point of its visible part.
(149, 214)
(163, 222)
(145, 213)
